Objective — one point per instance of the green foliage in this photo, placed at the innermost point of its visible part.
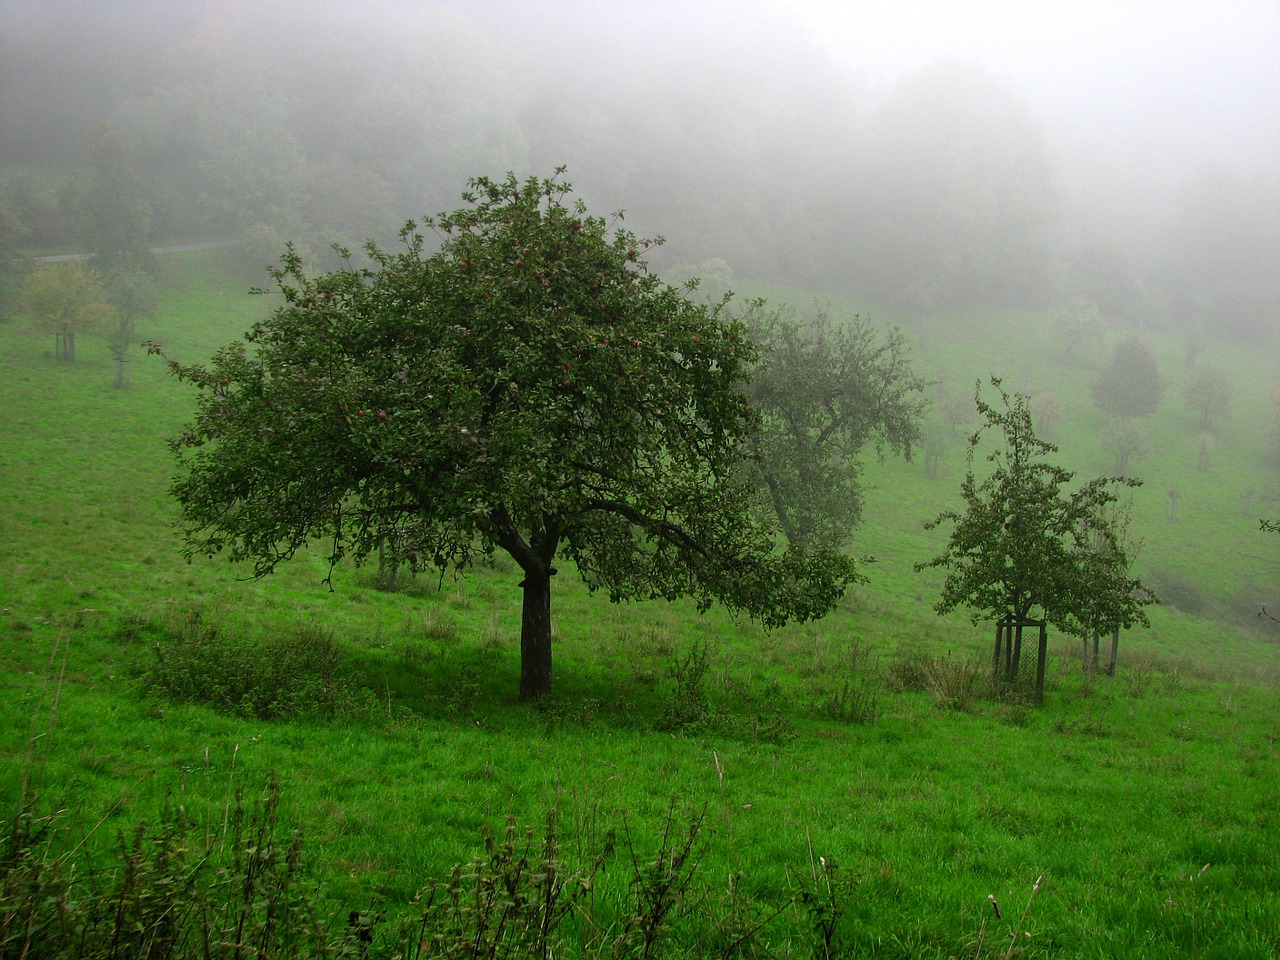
(530, 387)
(1207, 393)
(824, 390)
(1126, 441)
(689, 707)
(298, 674)
(508, 904)
(1026, 541)
(115, 216)
(1129, 384)
(65, 299)
(12, 232)
(1078, 326)
(170, 892)
(132, 293)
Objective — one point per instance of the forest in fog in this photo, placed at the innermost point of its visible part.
(755, 148)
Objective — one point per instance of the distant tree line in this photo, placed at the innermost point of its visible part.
(937, 194)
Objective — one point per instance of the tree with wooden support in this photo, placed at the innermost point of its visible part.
(1031, 548)
(65, 299)
(1111, 598)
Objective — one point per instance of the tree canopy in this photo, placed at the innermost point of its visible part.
(527, 386)
(824, 390)
(1030, 541)
(65, 299)
(1130, 384)
(116, 219)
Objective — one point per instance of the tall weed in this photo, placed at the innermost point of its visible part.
(300, 673)
(171, 892)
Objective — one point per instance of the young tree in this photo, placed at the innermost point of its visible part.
(1078, 325)
(1207, 392)
(1269, 526)
(1111, 598)
(1027, 542)
(1125, 441)
(65, 299)
(823, 392)
(1129, 385)
(133, 294)
(529, 386)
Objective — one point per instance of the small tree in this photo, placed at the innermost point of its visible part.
(944, 429)
(132, 292)
(1078, 326)
(824, 391)
(1207, 392)
(1124, 440)
(65, 299)
(1026, 541)
(1269, 526)
(1111, 599)
(529, 386)
(1129, 385)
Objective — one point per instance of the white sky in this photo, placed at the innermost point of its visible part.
(1041, 40)
(1165, 83)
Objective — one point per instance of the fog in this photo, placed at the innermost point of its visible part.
(917, 156)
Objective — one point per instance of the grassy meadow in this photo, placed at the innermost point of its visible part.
(850, 787)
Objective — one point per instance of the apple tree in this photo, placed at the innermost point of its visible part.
(825, 390)
(1129, 384)
(65, 299)
(1030, 540)
(526, 385)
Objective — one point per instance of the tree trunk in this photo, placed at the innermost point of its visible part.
(535, 636)
(535, 553)
(1115, 650)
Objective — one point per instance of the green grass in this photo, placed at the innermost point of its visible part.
(1117, 791)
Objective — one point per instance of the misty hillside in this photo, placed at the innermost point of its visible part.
(875, 157)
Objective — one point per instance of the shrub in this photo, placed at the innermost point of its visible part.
(907, 672)
(688, 705)
(953, 684)
(854, 701)
(300, 673)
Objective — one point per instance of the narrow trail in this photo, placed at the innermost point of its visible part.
(168, 248)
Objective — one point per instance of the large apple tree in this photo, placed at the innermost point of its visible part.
(523, 384)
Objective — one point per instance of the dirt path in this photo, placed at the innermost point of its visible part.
(170, 248)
